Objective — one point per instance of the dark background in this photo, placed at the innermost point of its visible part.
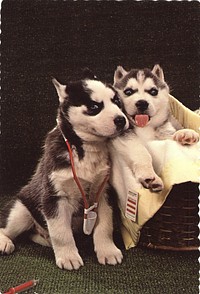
(41, 39)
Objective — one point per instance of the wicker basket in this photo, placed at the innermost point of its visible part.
(175, 225)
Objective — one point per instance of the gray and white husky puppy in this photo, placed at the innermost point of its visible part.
(145, 95)
(89, 114)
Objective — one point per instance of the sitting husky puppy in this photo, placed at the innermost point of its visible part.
(89, 114)
(145, 97)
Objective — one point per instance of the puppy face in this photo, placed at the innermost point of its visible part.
(144, 94)
(92, 108)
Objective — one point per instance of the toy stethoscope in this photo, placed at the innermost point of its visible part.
(90, 212)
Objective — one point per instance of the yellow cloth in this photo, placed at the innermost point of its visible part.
(186, 117)
(181, 164)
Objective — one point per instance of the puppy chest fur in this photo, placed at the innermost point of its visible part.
(91, 171)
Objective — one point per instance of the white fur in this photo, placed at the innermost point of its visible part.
(39, 239)
(91, 171)
(63, 178)
(140, 76)
(104, 247)
(60, 230)
(18, 221)
(62, 239)
(157, 109)
(132, 162)
(131, 149)
(102, 124)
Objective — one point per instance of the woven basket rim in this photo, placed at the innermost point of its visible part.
(170, 248)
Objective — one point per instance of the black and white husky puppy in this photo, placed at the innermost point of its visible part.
(89, 114)
(145, 96)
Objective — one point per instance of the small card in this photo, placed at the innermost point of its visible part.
(131, 205)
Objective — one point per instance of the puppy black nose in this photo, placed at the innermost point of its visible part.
(142, 105)
(120, 122)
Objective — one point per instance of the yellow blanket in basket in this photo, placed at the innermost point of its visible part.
(175, 164)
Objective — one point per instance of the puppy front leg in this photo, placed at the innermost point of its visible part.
(136, 156)
(142, 166)
(60, 231)
(107, 252)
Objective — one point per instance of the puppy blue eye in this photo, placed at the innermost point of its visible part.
(153, 92)
(94, 108)
(117, 101)
(129, 91)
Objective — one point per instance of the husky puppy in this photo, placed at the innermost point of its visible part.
(145, 97)
(89, 114)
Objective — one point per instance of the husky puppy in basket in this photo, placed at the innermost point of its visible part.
(144, 94)
(69, 186)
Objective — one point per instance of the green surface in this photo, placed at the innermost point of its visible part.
(48, 38)
(142, 271)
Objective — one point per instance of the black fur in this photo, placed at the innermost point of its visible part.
(88, 74)
(39, 195)
(4, 213)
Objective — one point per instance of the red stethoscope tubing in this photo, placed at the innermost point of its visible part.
(75, 176)
(86, 205)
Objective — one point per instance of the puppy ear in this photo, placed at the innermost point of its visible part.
(61, 90)
(157, 71)
(88, 74)
(120, 72)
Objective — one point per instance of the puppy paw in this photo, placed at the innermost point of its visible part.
(154, 183)
(6, 245)
(71, 261)
(110, 255)
(186, 137)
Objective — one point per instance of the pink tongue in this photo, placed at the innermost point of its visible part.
(141, 120)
